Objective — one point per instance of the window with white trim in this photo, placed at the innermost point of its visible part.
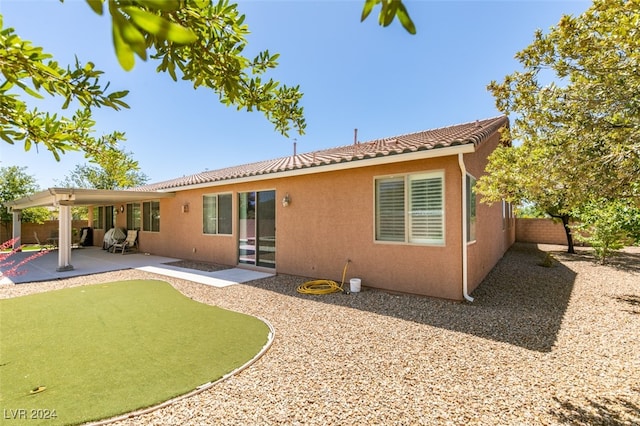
(410, 208)
(470, 199)
(151, 216)
(217, 214)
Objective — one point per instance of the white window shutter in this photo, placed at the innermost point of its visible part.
(426, 210)
(390, 210)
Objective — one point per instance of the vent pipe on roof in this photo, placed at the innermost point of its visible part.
(295, 143)
(355, 136)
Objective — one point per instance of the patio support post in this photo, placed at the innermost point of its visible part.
(64, 238)
(16, 231)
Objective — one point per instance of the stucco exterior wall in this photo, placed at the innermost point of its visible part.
(331, 220)
(495, 231)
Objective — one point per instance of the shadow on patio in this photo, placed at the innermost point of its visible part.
(519, 302)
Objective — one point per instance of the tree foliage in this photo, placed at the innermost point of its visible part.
(607, 226)
(16, 183)
(580, 133)
(576, 109)
(389, 10)
(29, 71)
(203, 42)
(194, 40)
(110, 175)
(200, 41)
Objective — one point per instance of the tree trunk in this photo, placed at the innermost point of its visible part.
(567, 230)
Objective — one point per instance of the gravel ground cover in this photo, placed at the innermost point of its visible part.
(539, 345)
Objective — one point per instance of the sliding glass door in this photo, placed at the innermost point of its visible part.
(257, 233)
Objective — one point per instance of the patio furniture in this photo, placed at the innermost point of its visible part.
(129, 243)
(86, 236)
(83, 238)
(53, 239)
(111, 237)
(42, 246)
(35, 235)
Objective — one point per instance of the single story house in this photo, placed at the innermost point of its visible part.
(401, 210)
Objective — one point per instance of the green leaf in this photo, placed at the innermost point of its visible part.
(166, 5)
(160, 27)
(133, 37)
(119, 94)
(6, 138)
(123, 51)
(47, 69)
(7, 85)
(368, 7)
(405, 20)
(201, 4)
(388, 12)
(96, 5)
(66, 102)
(29, 90)
(171, 68)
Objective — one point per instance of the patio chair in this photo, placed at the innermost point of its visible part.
(129, 243)
(35, 235)
(42, 246)
(83, 238)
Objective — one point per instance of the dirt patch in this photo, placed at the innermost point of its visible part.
(200, 266)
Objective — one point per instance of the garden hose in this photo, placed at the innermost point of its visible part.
(323, 286)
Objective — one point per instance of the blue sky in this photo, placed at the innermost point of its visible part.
(382, 81)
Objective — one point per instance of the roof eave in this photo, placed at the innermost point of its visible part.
(324, 168)
(79, 196)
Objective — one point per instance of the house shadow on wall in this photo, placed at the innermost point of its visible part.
(519, 302)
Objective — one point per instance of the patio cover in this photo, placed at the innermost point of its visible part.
(63, 199)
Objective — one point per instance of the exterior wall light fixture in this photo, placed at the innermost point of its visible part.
(286, 200)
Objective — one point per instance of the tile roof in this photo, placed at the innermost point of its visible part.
(460, 134)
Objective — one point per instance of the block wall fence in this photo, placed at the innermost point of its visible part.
(541, 231)
(45, 230)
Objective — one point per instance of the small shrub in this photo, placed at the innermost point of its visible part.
(547, 261)
(605, 225)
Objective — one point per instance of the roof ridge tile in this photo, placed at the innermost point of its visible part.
(474, 132)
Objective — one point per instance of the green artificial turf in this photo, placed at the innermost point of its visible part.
(107, 349)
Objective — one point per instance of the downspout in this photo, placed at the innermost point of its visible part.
(463, 172)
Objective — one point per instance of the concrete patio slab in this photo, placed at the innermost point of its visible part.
(94, 260)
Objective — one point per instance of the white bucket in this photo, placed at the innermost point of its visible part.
(354, 285)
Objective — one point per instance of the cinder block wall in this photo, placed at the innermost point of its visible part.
(543, 231)
(44, 231)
